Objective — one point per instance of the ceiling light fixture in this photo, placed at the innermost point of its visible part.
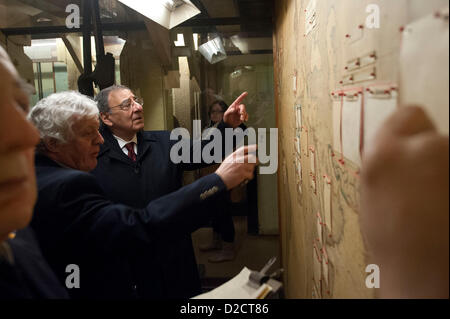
(213, 50)
(168, 13)
(43, 20)
(240, 43)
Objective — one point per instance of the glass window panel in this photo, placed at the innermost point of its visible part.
(35, 98)
(61, 79)
(48, 81)
(118, 82)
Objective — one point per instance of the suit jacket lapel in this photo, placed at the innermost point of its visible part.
(111, 146)
(144, 145)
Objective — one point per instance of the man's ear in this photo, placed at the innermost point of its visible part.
(52, 145)
(105, 119)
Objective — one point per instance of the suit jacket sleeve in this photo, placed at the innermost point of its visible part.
(95, 221)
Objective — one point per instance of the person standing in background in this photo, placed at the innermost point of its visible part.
(222, 241)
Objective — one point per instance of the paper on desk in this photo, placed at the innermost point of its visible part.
(424, 65)
(237, 288)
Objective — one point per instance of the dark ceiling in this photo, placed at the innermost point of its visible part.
(252, 18)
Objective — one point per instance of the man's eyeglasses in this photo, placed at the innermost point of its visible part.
(126, 105)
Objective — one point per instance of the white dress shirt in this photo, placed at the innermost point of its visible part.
(122, 144)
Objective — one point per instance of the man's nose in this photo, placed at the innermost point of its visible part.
(137, 107)
(23, 137)
(99, 139)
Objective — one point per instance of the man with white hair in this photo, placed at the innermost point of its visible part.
(81, 230)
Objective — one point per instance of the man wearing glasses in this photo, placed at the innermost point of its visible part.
(134, 168)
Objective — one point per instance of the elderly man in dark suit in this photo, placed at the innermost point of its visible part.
(78, 228)
(134, 167)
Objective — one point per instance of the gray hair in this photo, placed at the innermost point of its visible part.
(103, 97)
(55, 115)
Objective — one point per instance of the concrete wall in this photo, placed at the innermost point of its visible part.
(141, 71)
(23, 64)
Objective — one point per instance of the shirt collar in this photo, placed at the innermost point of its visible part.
(6, 253)
(122, 142)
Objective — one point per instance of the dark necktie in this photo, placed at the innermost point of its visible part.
(131, 153)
